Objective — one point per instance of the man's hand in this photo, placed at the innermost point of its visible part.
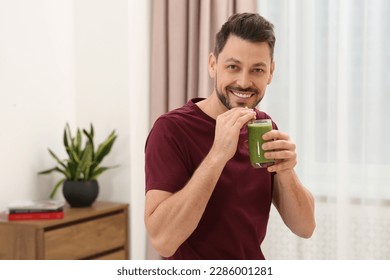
(227, 131)
(282, 149)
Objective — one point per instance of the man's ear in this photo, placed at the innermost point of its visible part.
(271, 72)
(212, 65)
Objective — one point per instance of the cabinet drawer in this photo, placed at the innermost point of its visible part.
(117, 255)
(83, 240)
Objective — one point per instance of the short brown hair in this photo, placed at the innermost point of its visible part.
(247, 26)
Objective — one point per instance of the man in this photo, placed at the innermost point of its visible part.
(204, 200)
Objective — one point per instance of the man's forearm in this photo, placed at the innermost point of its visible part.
(294, 203)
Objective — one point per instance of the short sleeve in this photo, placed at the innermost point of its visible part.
(165, 161)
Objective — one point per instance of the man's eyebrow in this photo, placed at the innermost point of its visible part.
(232, 59)
(235, 60)
(261, 64)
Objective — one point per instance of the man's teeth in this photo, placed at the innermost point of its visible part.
(241, 95)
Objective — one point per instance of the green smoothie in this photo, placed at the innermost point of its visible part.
(256, 129)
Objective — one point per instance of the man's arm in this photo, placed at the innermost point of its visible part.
(294, 203)
(170, 218)
(292, 200)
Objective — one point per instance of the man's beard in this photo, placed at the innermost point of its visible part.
(225, 98)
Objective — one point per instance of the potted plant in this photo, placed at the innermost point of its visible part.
(82, 166)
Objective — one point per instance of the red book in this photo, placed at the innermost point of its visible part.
(36, 216)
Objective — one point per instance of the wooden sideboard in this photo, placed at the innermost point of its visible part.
(97, 232)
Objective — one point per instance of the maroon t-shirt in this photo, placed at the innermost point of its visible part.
(234, 223)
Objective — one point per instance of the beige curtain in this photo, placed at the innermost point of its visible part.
(183, 34)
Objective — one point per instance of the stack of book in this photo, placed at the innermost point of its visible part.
(35, 210)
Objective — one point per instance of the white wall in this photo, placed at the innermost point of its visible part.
(73, 61)
(101, 82)
(37, 91)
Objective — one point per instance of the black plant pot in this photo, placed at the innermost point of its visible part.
(80, 193)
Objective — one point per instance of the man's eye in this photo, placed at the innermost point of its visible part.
(258, 70)
(232, 67)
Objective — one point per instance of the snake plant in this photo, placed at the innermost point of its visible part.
(83, 159)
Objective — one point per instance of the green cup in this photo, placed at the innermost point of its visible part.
(256, 129)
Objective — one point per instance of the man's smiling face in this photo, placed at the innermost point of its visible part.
(241, 72)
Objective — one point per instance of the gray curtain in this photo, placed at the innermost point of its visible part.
(183, 35)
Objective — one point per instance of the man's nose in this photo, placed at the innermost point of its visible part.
(244, 80)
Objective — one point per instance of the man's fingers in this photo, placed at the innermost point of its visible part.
(242, 120)
(276, 134)
(282, 165)
(240, 115)
(279, 145)
(285, 154)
